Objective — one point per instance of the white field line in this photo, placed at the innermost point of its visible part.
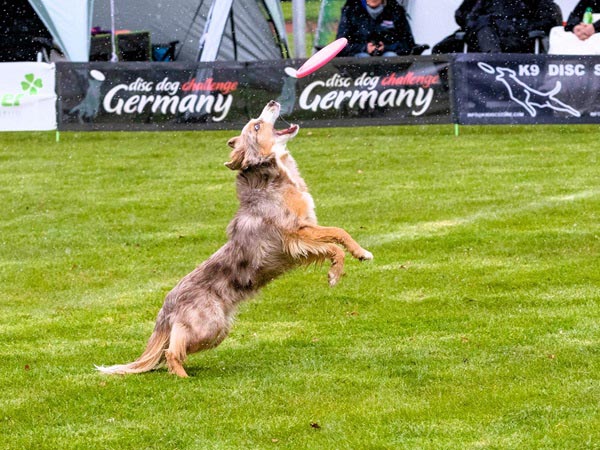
(424, 229)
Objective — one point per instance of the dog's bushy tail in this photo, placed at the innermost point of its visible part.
(151, 359)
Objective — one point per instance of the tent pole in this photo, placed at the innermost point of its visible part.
(211, 38)
(235, 49)
(299, 25)
(113, 45)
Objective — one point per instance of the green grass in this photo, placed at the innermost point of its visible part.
(476, 326)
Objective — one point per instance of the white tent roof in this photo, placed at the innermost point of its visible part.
(69, 22)
(185, 21)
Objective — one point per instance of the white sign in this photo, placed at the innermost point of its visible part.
(27, 96)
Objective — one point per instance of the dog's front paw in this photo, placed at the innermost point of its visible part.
(366, 255)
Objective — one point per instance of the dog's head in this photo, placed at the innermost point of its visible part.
(259, 141)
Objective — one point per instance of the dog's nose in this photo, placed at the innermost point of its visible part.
(272, 103)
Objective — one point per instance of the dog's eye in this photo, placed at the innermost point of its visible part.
(257, 127)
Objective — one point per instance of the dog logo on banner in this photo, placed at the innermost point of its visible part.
(88, 108)
(526, 96)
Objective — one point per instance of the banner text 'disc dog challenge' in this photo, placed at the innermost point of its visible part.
(370, 92)
(167, 100)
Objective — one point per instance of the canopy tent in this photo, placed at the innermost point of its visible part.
(207, 30)
(28, 26)
(23, 35)
(69, 24)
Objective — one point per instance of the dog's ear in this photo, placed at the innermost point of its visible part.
(245, 154)
(236, 159)
(242, 160)
(231, 142)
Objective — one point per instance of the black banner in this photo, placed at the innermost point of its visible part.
(156, 96)
(526, 89)
(484, 89)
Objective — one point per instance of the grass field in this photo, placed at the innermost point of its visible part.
(476, 326)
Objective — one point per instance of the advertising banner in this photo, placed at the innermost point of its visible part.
(27, 96)
(526, 89)
(404, 90)
(156, 96)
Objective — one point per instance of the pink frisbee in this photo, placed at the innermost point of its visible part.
(319, 59)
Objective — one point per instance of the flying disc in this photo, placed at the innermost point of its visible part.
(97, 75)
(322, 57)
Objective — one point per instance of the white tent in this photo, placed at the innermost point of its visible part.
(241, 30)
(207, 30)
(69, 22)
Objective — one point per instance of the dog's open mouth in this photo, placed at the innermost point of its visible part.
(291, 130)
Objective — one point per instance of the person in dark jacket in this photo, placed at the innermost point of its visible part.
(575, 22)
(375, 28)
(503, 26)
(452, 44)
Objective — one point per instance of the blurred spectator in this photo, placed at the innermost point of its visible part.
(503, 26)
(452, 43)
(376, 28)
(575, 23)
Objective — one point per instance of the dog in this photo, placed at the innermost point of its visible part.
(274, 230)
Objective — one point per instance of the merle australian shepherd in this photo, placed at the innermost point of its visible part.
(274, 230)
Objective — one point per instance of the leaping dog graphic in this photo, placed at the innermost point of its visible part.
(526, 96)
(89, 107)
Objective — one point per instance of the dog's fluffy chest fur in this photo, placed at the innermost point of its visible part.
(276, 188)
(298, 199)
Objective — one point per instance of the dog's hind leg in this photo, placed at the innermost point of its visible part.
(176, 352)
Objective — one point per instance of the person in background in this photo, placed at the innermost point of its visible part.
(503, 26)
(375, 28)
(452, 44)
(575, 22)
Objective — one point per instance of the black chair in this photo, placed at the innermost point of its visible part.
(419, 49)
(540, 41)
(539, 37)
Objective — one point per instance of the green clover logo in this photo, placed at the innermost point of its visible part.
(31, 84)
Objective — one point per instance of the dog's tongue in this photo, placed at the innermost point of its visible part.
(289, 130)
